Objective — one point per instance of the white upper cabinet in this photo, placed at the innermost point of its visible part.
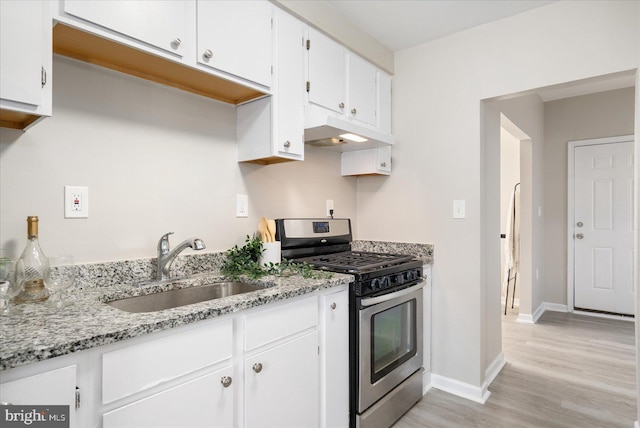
(376, 161)
(345, 85)
(362, 90)
(235, 37)
(25, 62)
(160, 24)
(271, 130)
(327, 66)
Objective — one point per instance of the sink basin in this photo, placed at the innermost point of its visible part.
(184, 296)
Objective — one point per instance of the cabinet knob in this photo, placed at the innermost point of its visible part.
(341, 105)
(333, 305)
(257, 367)
(176, 43)
(287, 144)
(225, 381)
(383, 164)
(207, 54)
(353, 111)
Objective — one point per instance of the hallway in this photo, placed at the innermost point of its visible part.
(566, 371)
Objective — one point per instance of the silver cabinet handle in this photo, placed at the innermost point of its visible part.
(257, 367)
(43, 77)
(226, 381)
(579, 235)
(333, 305)
(287, 144)
(341, 105)
(383, 164)
(207, 54)
(176, 43)
(353, 111)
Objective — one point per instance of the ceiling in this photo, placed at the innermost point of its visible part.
(400, 24)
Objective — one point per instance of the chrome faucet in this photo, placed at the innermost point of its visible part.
(166, 257)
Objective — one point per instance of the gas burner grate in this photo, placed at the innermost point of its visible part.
(355, 261)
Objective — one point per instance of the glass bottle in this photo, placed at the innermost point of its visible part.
(32, 267)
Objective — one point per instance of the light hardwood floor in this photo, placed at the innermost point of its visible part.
(565, 371)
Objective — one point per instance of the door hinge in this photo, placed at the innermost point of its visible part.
(308, 86)
(77, 397)
(308, 44)
(272, 23)
(272, 70)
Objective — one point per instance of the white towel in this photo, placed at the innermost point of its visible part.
(512, 241)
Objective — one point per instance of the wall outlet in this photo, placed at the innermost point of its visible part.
(76, 202)
(242, 206)
(329, 207)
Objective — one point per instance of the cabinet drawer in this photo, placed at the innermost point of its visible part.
(202, 402)
(138, 367)
(275, 323)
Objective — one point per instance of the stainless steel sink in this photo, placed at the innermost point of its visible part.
(184, 296)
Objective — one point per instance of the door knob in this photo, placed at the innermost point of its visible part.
(579, 236)
(579, 224)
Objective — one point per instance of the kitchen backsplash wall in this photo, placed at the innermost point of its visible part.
(155, 160)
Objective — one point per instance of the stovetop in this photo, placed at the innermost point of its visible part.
(355, 261)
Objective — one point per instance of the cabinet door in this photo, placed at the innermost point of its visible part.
(334, 354)
(362, 90)
(21, 34)
(55, 387)
(162, 24)
(327, 72)
(235, 37)
(202, 402)
(384, 102)
(290, 86)
(375, 161)
(281, 385)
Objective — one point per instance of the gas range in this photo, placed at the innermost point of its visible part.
(325, 244)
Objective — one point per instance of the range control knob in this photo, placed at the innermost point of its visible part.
(375, 284)
(399, 279)
(411, 275)
(384, 282)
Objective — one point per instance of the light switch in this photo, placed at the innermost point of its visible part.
(458, 208)
(242, 206)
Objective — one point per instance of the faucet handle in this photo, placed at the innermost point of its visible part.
(163, 243)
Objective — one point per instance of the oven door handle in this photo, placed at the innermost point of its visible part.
(386, 297)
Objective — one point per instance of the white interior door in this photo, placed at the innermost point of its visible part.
(603, 227)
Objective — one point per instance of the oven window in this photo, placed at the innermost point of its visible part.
(393, 338)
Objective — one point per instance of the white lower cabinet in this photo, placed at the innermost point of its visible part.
(281, 385)
(280, 365)
(53, 387)
(334, 361)
(202, 402)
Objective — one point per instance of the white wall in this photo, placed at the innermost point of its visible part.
(604, 114)
(438, 88)
(155, 160)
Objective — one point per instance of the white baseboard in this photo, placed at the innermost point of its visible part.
(426, 382)
(636, 425)
(493, 370)
(461, 389)
(544, 306)
(555, 307)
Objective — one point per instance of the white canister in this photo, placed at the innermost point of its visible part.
(271, 253)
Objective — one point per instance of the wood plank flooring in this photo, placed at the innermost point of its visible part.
(565, 371)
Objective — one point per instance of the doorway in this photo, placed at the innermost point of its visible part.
(600, 225)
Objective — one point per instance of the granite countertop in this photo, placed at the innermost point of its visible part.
(39, 333)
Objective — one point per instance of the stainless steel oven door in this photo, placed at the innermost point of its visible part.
(390, 339)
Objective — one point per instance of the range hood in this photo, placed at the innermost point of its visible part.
(342, 136)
